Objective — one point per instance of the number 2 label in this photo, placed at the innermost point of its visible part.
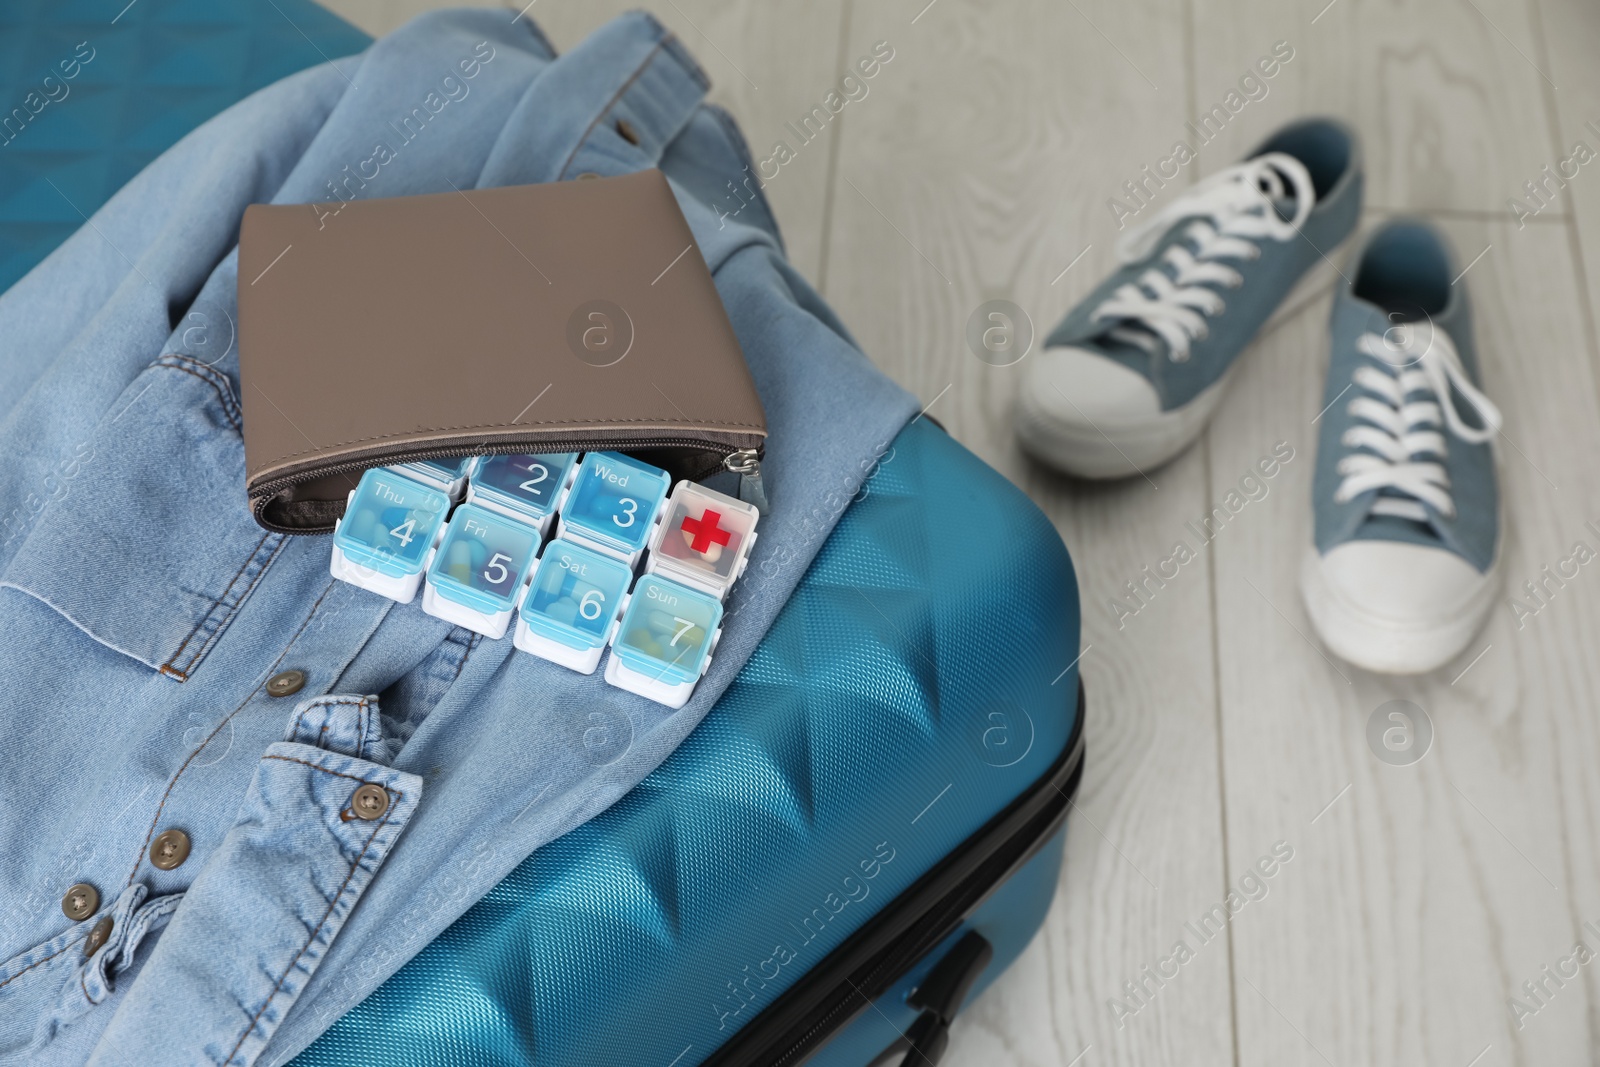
(532, 484)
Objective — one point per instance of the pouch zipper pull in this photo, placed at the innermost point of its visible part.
(746, 463)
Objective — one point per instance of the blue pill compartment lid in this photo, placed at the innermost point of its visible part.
(614, 500)
(445, 471)
(390, 523)
(667, 630)
(483, 559)
(575, 595)
(527, 483)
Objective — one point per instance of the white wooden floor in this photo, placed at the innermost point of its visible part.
(1419, 898)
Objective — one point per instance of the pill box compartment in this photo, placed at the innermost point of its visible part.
(449, 476)
(479, 570)
(665, 641)
(390, 527)
(614, 505)
(572, 604)
(529, 488)
(704, 538)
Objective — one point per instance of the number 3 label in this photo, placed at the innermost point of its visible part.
(630, 506)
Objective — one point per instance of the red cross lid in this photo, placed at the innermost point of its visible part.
(704, 538)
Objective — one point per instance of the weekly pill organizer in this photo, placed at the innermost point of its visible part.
(586, 551)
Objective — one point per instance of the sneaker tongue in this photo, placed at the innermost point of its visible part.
(1395, 528)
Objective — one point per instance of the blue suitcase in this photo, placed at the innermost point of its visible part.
(863, 832)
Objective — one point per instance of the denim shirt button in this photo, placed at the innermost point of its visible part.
(80, 902)
(627, 132)
(285, 683)
(369, 802)
(97, 937)
(169, 849)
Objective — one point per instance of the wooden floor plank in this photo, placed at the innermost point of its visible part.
(980, 169)
(1568, 178)
(1421, 899)
(1446, 94)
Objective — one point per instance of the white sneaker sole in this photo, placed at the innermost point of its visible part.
(1116, 450)
(1121, 450)
(1384, 645)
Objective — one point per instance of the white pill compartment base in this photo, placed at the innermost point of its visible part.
(491, 626)
(582, 660)
(673, 694)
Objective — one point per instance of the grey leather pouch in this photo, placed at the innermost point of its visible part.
(572, 316)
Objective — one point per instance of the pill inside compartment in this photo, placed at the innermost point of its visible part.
(526, 486)
(572, 604)
(705, 538)
(667, 630)
(477, 575)
(578, 590)
(382, 542)
(614, 503)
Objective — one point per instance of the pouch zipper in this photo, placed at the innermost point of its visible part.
(743, 461)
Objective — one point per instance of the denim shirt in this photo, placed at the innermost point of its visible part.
(143, 611)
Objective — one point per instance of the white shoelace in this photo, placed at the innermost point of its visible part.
(1239, 202)
(1403, 433)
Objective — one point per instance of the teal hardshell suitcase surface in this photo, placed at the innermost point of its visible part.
(864, 831)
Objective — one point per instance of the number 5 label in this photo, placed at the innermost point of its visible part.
(497, 563)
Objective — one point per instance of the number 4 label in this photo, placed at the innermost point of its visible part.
(404, 532)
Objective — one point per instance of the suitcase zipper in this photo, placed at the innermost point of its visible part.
(912, 946)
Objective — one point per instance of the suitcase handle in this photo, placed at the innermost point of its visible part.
(940, 996)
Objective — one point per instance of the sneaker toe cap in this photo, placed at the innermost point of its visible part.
(1081, 388)
(1401, 583)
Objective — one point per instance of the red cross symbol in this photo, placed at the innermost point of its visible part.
(705, 531)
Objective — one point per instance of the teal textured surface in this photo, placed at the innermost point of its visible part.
(89, 95)
(912, 687)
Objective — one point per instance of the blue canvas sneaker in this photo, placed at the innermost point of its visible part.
(1131, 375)
(1407, 530)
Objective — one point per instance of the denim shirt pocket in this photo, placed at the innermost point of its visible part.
(28, 985)
(322, 814)
(144, 541)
